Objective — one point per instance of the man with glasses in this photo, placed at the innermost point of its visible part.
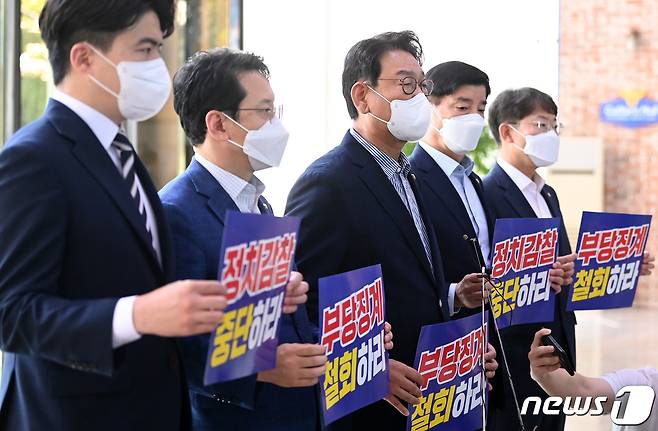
(452, 191)
(226, 107)
(525, 126)
(360, 205)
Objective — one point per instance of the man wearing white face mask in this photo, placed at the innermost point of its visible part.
(525, 126)
(84, 247)
(226, 107)
(524, 123)
(361, 205)
(452, 191)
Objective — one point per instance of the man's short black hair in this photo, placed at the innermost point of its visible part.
(64, 23)
(511, 106)
(451, 75)
(362, 60)
(208, 81)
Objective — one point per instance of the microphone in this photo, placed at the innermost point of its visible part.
(486, 276)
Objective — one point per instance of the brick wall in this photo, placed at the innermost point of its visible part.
(597, 63)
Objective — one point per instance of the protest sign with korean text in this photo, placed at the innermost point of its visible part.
(449, 359)
(523, 253)
(609, 256)
(352, 324)
(257, 253)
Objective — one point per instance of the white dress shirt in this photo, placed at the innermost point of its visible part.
(105, 130)
(245, 194)
(531, 188)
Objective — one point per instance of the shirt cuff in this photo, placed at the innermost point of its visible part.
(123, 327)
(451, 299)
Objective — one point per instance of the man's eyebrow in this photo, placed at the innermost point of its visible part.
(406, 73)
(149, 40)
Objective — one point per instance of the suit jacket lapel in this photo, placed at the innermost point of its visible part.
(512, 194)
(442, 188)
(93, 157)
(379, 185)
(219, 200)
(549, 197)
(264, 206)
(479, 189)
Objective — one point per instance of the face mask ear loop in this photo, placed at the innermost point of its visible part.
(240, 126)
(389, 102)
(520, 134)
(236, 123)
(93, 78)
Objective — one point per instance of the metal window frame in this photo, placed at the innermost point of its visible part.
(10, 75)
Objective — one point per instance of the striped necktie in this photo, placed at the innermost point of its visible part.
(127, 156)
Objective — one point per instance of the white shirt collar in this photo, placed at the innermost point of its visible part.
(102, 127)
(447, 163)
(234, 185)
(520, 179)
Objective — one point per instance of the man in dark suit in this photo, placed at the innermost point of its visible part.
(360, 205)
(226, 107)
(524, 123)
(84, 245)
(452, 192)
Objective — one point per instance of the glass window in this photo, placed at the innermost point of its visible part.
(3, 82)
(200, 24)
(35, 70)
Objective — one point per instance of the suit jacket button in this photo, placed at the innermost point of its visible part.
(440, 303)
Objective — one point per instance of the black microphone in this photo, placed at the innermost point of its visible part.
(478, 254)
(486, 274)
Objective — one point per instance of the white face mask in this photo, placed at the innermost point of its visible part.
(462, 133)
(409, 118)
(144, 87)
(543, 149)
(265, 146)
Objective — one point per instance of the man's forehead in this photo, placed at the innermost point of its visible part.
(541, 114)
(257, 86)
(470, 94)
(146, 29)
(400, 63)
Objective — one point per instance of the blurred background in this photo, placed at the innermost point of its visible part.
(597, 58)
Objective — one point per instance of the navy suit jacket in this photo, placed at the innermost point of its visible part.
(352, 217)
(451, 222)
(505, 200)
(196, 206)
(449, 217)
(72, 243)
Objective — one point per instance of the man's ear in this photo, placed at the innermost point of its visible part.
(81, 57)
(505, 132)
(359, 92)
(216, 125)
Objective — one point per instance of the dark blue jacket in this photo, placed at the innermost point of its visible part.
(451, 222)
(505, 200)
(72, 243)
(352, 217)
(196, 206)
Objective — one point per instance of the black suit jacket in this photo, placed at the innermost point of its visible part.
(505, 200)
(449, 217)
(352, 217)
(71, 244)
